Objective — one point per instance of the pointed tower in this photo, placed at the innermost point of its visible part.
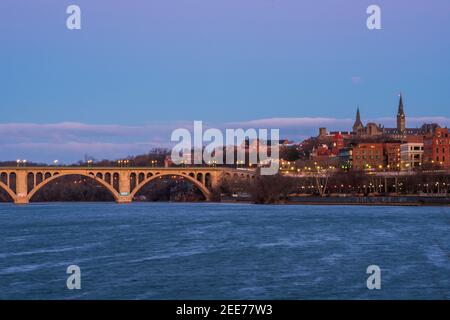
(358, 125)
(401, 121)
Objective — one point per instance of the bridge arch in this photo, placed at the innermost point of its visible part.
(206, 193)
(8, 190)
(109, 187)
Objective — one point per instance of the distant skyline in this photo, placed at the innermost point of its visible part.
(147, 66)
(69, 142)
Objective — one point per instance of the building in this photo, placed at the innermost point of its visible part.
(401, 132)
(321, 153)
(437, 148)
(367, 156)
(322, 132)
(358, 126)
(373, 146)
(338, 143)
(401, 118)
(411, 155)
(392, 155)
(345, 159)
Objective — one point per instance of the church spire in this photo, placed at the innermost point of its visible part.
(400, 106)
(401, 118)
(358, 124)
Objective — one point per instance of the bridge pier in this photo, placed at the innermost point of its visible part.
(21, 188)
(124, 199)
(124, 188)
(21, 200)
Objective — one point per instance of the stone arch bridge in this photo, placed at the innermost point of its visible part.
(22, 183)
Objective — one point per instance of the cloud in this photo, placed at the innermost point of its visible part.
(294, 122)
(69, 141)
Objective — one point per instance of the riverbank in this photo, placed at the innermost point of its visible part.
(355, 200)
(374, 200)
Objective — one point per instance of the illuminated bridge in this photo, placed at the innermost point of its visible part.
(21, 183)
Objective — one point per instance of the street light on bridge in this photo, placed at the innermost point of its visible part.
(123, 163)
(21, 162)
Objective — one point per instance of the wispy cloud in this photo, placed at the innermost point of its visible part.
(69, 141)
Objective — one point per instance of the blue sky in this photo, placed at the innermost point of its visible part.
(150, 64)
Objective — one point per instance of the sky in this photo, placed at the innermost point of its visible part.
(138, 69)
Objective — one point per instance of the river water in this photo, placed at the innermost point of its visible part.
(223, 251)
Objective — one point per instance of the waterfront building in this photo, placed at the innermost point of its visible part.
(392, 155)
(437, 148)
(411, 155)
(367, 156)
(373, 146)
(346, 158)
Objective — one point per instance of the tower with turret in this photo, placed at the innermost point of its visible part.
(358, 125)
(401, 121)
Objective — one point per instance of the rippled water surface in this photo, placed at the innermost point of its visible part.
(223, 251)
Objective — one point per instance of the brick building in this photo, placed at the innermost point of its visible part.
(367, 156)
(437, 148)
(392, 155)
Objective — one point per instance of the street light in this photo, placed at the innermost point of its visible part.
(21, 162)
